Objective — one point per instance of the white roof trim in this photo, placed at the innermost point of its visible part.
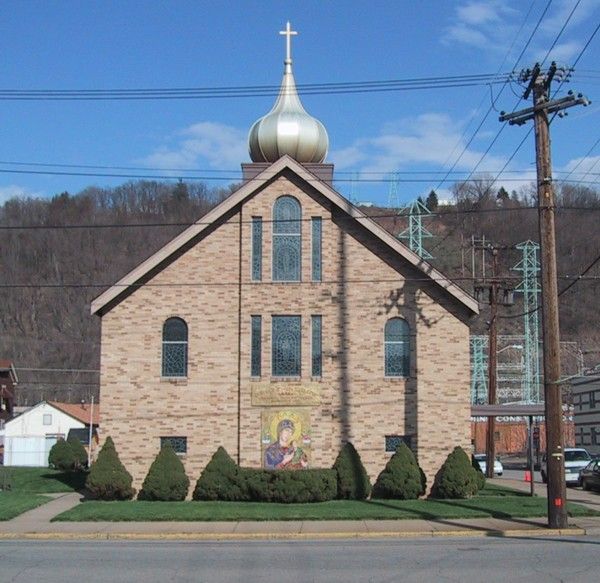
(249, 188)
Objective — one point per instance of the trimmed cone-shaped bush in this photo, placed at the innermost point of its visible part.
(166, 479)
(402, 478)
(479, 476)
(61, 456)
(108, 479)
(352, 479)
(221, 479)
(79, 452)
(456, 478)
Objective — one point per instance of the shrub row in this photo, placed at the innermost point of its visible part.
(222, 479)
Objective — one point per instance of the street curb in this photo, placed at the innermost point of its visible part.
(465, 533)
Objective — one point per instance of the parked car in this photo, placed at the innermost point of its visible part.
(590, 476)
(482, 461)
(576, 458)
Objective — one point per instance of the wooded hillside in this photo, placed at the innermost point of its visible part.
(57, 254)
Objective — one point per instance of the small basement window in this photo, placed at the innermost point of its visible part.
(178, 443)
(393, 441)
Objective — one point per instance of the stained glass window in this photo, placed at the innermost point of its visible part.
(317, 230)
(317, 351)
(256, 248)
(287, 239)
(179, 444)
(256, 341)
(174, 348)
(285, 353)
(397, 348)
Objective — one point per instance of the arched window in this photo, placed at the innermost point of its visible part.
(397, 348)
(174, 348)
(287, 240)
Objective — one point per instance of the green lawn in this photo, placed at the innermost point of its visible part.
(14, 503)
(41, 480)
(495, 502)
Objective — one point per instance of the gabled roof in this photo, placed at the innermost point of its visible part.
(79, 411)
(102, 303)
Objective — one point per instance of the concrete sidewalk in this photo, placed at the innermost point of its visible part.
(35, 524)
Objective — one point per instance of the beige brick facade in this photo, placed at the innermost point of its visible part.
(219, 403)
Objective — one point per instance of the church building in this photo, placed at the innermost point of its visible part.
(282, 324)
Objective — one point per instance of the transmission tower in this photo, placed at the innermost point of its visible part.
(479, 369)
(394, 194)
(416, 232)
(354, 188)
(530, 288)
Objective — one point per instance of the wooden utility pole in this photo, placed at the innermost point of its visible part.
(557, 488)
(492, 286)
(490, 453)
(539, 87)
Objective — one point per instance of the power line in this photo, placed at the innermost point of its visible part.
(355, 87)
(449, 213)
(229, 178)
(491, 108)
(251, 283)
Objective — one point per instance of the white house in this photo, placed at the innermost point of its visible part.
(29, 437)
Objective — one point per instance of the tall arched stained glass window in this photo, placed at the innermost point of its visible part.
(287, 239)
(174, 348)
(397, 348)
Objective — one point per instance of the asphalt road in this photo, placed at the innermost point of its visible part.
(376, 561)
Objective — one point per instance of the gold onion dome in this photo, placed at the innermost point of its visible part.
(288, 128)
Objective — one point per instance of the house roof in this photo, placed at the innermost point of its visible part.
(79, 411)
(104, 301)
(7, 365)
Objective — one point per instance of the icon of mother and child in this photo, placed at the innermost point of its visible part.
(284, 454)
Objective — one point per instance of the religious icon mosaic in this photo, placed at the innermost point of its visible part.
(285, 439)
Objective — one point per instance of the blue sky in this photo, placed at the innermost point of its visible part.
(150, 44)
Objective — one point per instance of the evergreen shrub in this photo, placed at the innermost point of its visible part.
(479, 476)
(166, 479)
(456, 478)
(221, 479)
(80, 456)
(108, 479)
(61, 456)
(352, 479)
(402, 478)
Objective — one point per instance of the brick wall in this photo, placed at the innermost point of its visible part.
(364, 284)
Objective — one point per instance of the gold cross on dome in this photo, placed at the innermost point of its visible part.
(288, 32)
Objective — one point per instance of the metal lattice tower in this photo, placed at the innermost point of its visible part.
(354, 188)
(530, 288)
(394, 194)
(416, 232)
(479, 369)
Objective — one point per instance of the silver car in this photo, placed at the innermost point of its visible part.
(576, 458)
(482, 461)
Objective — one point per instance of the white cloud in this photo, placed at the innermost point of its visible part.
(429, 139)
(582, 166)
(14, 191)
(561, 53)
(561, 10)
(218, 145)
(484, 24)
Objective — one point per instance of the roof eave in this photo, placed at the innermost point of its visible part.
(112, 294)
